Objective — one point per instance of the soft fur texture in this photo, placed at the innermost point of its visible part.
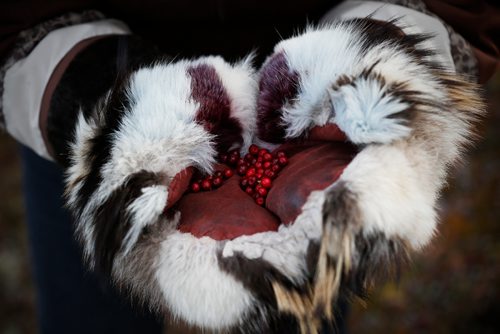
(410, 117)
(157, 134)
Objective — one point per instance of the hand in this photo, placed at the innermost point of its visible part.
(133, 159)
(367, 82)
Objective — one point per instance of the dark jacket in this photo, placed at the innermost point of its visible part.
(233, 28)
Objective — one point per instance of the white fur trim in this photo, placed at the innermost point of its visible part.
(79, 168)
(395, 188)
(363, 112)
(321, 56)
(144, 211)
(193, 286)
(287, 248)
(198, 291)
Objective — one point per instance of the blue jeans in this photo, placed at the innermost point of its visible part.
(70, 299)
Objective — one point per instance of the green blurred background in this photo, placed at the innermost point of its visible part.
(453, 286)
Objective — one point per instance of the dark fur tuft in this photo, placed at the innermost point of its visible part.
(215, 107)
(112, 221)
(278, 87)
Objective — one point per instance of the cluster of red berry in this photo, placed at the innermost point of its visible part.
(258, 168)
(212, 181)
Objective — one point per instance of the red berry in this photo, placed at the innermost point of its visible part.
(217, 182)
(266, 182)
(283, 161)
(195, 187)
(259, 201)
(242, 169)
(252, 180)
(232, 160)
(253, 149)
(244, 182)
(266, 164)
(269, 173)
(249, 190)
(267, 157)
(262, 191)
(228, 173)
(206, 184)
(251, 171)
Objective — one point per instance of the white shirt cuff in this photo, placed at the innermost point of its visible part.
(25, 81)
(410, 21)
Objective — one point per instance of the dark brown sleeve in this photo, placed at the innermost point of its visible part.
(478, 21)
(16, 16)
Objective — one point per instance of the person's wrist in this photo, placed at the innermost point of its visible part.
(54, 80)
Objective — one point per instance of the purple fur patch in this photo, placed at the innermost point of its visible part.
(215, 107)
(278, 85)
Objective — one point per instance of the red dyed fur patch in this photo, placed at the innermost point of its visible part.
(277, 87)
(215, 106)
